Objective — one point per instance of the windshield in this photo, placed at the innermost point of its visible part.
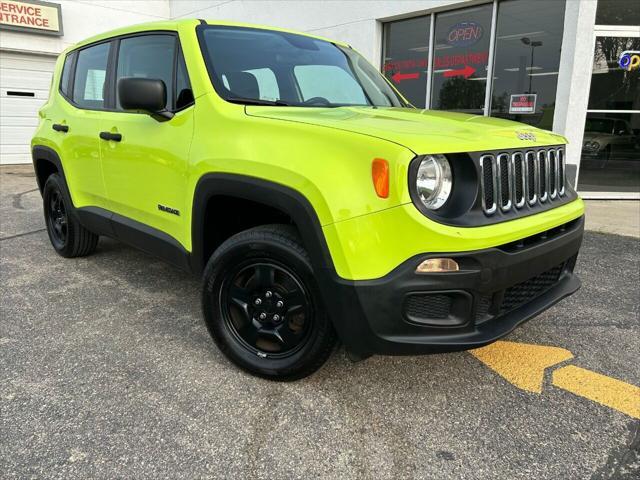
(254, 66)
(599, 125)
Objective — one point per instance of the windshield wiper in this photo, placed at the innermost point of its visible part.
(257, 101)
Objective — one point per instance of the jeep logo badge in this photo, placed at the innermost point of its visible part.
(526, 136)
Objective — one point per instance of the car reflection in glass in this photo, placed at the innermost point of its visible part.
(609, 138)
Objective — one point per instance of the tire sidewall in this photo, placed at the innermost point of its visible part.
(53, 184)
(220, 265)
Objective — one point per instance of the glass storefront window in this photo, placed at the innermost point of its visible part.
(613, 88)
(618, 12)
(406, 55)
(610, 160)
(527, 59)
(460, 59)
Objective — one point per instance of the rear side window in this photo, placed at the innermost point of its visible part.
(90, 76)
(147, 56)
(65, 79)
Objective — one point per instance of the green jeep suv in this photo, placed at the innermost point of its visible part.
(316, 203)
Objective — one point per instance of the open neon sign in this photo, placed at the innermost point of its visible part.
(629, 60)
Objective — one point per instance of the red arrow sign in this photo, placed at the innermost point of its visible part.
(466, 72)
(398, 77)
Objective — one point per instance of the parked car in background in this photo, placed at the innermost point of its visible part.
(609, 138)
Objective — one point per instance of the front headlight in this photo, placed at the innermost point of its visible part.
(595, 146)
(434, 181)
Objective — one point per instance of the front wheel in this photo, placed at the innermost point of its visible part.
(262, 306)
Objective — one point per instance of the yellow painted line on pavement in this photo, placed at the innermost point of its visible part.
(521, 364)
(599, 388)
(524, 365)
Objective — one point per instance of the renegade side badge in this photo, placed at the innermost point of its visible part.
(164, 208)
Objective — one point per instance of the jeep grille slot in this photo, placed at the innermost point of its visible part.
(553, 179)
(514, 180)
(543, 176)
(504, 183)
(488, 183)
(561, 173)
(518, 179)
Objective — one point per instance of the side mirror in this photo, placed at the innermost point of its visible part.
(146, 94)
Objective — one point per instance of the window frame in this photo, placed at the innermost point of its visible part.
(112, 64)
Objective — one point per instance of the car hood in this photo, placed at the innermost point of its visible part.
(422, 131)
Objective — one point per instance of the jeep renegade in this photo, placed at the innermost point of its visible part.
(316, 203)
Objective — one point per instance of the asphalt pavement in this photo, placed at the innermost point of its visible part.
(107, 370)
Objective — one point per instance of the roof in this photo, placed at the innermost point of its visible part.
(180, 24)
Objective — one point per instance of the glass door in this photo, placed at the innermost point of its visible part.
(610, 160)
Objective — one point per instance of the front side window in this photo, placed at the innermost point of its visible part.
(90, 76)
(147, 56)
(250, 65)
(183, 92)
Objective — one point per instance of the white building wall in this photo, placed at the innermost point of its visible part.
(85, 18)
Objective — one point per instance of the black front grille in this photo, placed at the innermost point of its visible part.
(526, 291)
(429, 306)
(522, 179)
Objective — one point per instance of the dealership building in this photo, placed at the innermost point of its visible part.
(554, 64)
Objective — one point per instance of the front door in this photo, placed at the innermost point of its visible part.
(145, 160)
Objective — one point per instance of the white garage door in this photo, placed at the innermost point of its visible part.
(24, 88)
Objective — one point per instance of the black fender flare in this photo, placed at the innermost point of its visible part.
(338, 295)
(41, 152)
(280, 197)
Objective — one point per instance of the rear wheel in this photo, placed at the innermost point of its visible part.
(262, 305)
(67, 236)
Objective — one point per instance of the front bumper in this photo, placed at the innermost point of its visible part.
(495, 290)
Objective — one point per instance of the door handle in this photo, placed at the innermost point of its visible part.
(58, 127)
(116, 137)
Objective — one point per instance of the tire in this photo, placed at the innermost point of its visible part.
(262, 305)
(67, 236)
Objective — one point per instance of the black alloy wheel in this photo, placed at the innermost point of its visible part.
(263, 307)
(267, 308)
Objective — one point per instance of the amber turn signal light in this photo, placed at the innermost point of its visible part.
(380, 175)
(438, 265)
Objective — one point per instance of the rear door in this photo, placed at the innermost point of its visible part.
(80, 111)
(145, 171)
